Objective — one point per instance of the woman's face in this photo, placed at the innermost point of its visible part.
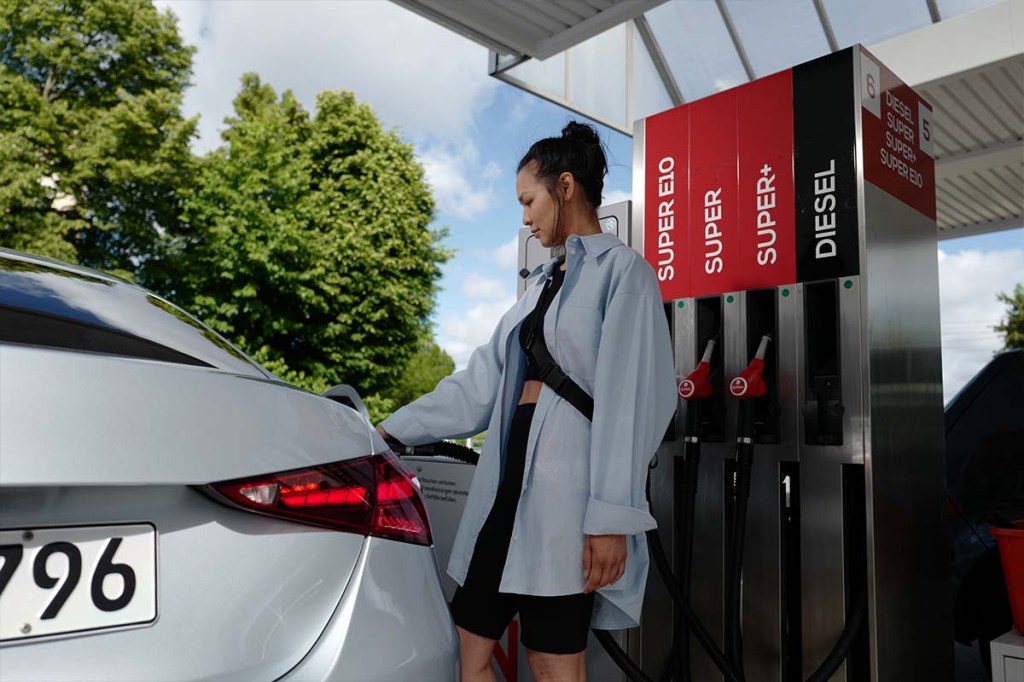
(540, 212)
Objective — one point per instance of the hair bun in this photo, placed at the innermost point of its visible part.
(581, 132)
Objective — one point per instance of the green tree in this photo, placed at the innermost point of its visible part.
(1012, 328)
(93, 146)
(306, 242)
(428, 365)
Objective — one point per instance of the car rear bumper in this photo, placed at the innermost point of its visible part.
(392, 623)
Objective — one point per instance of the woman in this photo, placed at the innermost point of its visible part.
(554, 520)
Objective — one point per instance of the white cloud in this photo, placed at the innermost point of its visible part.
(485, 288)
(459, 336)
(521, 109)
(418, 76)
(968, 284)
(615, 196)
(506, 256)
(492, 171)
(459, 184)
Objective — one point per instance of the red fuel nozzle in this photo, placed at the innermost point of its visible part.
(749, 383)
(696, 383)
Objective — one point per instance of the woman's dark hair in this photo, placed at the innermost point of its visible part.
(577, 151)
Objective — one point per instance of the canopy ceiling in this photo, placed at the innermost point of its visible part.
(616, 61)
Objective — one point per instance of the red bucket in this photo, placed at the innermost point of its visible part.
(1011, 551)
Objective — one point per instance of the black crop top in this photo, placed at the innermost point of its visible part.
(543, 303)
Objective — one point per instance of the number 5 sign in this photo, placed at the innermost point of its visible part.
(926, 130)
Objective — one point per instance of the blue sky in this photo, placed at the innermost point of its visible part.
(469, 131)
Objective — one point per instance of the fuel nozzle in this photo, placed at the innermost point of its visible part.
(697, 383)
(750, 382)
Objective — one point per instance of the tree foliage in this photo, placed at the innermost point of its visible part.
(304, 238)
(306, 242)
(93, 146)
(1012, 328)
(428, 365)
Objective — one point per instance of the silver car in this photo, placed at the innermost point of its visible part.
(169, 510)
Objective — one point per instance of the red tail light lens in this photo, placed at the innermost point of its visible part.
(373, 495)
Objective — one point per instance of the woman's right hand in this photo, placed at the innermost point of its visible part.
(383, 434)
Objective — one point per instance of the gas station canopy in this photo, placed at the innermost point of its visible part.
(617, 61)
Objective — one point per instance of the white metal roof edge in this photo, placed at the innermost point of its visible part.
(952, 46)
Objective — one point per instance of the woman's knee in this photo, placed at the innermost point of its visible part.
(557, 667)
(475, 652)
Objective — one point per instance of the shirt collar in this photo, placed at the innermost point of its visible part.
(592, 245)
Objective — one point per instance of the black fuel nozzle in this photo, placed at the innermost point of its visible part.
(441, 448)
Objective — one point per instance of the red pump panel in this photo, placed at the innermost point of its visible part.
(666, 194)
(767, 214)
(714, 224)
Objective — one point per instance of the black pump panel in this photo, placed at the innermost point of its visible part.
(823, 405)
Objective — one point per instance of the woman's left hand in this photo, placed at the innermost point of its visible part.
(604, 560)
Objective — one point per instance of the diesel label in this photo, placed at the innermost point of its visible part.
(825, 212)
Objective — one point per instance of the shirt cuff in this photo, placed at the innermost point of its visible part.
(406, 428)
(604, 518)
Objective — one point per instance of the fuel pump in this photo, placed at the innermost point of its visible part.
(800, 527)
(809, 540)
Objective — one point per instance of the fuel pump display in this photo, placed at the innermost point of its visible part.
(790, 222)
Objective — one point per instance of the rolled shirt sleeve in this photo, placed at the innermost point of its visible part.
(634, 398)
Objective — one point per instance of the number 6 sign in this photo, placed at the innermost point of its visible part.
(870, 85)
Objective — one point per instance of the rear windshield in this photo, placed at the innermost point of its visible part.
(65, 307)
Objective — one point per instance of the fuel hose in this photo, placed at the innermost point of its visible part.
(696, 389)
(442, 448)
(749, 384)
(665, 569)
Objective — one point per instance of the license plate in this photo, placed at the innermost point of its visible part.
(58, 581)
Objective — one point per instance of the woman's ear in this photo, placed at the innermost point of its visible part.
(567, 184)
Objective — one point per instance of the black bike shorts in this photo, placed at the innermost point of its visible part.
(551, 625)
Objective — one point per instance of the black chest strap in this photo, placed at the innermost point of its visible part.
(548, 370)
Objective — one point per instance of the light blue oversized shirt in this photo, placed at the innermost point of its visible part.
(607, 329)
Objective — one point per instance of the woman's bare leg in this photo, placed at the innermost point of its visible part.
(475, 652)
(557, 667)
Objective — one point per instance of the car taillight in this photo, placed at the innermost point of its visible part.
(373, 495)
